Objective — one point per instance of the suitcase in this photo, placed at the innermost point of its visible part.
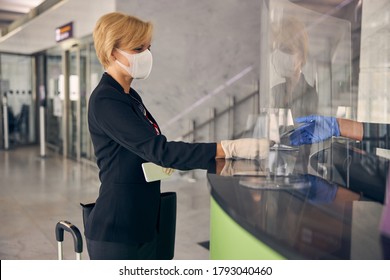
(77, 238)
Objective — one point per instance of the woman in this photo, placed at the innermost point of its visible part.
(124, 133)
(288, 59)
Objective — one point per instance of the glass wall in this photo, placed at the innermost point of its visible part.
(54, 99)
(17, 86)
(71, 76)
(308, 67)
(74, 85)
(94, 71)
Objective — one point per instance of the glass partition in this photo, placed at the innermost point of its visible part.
(55, 98)
(16, 86)
(67, 97)
(74, 102)
(308, 63)
(305, 69)
(93, 75)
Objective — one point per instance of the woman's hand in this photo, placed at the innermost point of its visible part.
(246, 148)
(317, 129)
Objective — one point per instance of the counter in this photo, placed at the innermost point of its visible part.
(279, 210)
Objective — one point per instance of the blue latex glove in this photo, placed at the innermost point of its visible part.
(321, 191)
(318, 128)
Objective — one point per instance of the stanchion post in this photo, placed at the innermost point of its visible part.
(42, 140)
(42, 122)
(5, 117)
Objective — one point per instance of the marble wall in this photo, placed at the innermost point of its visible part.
(374, 78)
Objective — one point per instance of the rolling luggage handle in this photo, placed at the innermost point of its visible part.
(77, 239)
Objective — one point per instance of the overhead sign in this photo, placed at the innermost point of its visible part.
(64, 32)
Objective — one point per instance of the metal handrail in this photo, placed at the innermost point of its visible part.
(218, 115)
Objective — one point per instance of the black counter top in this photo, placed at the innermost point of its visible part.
(312, 215)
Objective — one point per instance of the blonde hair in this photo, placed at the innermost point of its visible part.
(292, 33)
(117, 30)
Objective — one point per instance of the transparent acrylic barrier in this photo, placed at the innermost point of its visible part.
(306, 61)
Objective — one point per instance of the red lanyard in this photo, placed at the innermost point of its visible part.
(143, 110)
(154, 125)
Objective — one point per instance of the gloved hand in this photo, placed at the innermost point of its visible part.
(248, 148)
(320, 191)
(318, 128)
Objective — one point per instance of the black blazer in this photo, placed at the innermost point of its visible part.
(126, 209)
(303, 101)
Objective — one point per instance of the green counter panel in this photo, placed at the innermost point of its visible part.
(229, 241)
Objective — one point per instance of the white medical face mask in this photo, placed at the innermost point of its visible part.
(285, 64)
(140, 64)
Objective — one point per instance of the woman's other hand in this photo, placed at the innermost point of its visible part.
(317, 129)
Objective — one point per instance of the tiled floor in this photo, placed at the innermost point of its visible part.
(36, 193)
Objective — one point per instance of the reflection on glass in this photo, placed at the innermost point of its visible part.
(73, 99)
(351, 167)
(95, 72)
(309, 54)
(289, 55)
(320, 191)
(55, 81)
(16, 86)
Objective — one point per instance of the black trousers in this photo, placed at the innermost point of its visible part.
(101, 250)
